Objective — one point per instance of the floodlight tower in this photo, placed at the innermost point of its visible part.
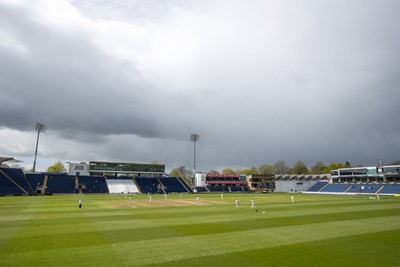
(40, 128)
(194, 138)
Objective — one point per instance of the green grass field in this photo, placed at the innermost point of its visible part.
(108, 231)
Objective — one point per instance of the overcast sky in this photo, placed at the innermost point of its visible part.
(259, 80)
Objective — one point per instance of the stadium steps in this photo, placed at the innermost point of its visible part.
(323, 187)
(183, 184)
(76, 182)
(44, 184)
(379, 189)
(345, 191)
(11, 180)
(136, 183)
(162, 187)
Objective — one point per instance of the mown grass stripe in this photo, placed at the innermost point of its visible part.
(179, 248)
(371, 250)
(236, 222)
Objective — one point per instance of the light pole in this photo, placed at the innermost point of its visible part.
(194, 138)
(40, 128)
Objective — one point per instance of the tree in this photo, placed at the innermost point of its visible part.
(175, 173)
(299, 168)
(228, 171)
(335, 166)
(57, 167)
(266, 169)
(247, 171)
(318, 168)
(212, 171)
(254, 170)
(281, 167)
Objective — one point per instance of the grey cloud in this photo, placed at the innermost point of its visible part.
(270, 80)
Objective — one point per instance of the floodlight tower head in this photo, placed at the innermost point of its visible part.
(194, 137)
(41, 127)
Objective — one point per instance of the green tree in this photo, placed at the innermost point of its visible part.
(57, 167)
(212, 171)
(299, 168)
(281, 167)
(254, 170)
(318, 168)
(247, 171)
(266, 169)
(335, 166)
(228, 171)
(176, 173)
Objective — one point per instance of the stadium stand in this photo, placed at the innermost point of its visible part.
(246, 189)
(60, 184)
(17, 177)
(364, 188)
(317, 186)
(148, 185)
(236, 189)
(8, 186)
(173, 185)
(36, 181)
(185, 185)
(390, 189)
(335, 188)
(218, 188)
(121, 184)
(201, 189)
(93, 184)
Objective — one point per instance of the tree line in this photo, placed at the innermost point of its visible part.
(280, 167)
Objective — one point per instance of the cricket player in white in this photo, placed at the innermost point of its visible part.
(197, 200)
(253, 204)
(292, 197)
(237, 203)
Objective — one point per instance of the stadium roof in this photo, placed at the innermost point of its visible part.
(9, 159)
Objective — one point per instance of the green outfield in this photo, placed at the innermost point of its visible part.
(109, 231)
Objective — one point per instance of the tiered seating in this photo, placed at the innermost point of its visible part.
(335, 188)
(148, 185)
(173, 185)
(35, 179)
(185, 185)
(7, 187)
(390, 189)
(317, 187)
(218, 188)
(93, 184)
(60, 184)
(245, 188)
(201, 189)
(122, 184)
(236, 189)
(19, 177)
(364, 188)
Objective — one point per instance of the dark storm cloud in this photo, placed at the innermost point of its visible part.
(260, 81)
(62, 78)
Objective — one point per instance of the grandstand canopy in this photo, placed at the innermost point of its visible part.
(9, 159)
